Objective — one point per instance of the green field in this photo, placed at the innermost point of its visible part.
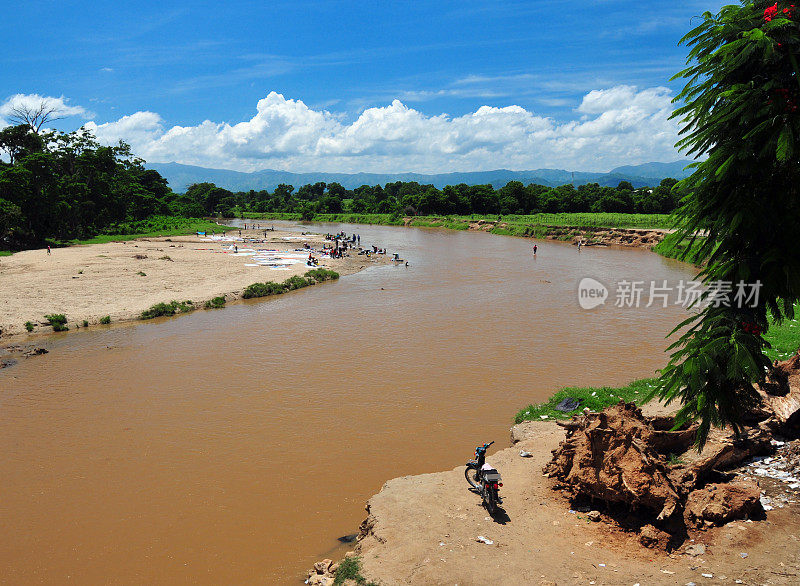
(605, 220)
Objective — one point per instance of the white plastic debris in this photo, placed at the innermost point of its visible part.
(707, 575)
(525, 454)
(743, 555)
(544, 417)
(482, 539)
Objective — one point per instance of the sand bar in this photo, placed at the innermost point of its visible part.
(121, 279)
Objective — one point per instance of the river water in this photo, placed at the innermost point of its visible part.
(236, 445)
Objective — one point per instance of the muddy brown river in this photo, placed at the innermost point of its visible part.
(235, 446)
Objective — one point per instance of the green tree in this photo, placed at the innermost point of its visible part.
(741, 205)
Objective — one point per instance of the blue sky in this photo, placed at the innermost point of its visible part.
(185, 63)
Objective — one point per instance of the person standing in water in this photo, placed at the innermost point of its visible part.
(535, 248)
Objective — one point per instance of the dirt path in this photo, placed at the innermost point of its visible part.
(423, 530)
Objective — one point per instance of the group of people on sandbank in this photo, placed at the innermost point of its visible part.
(340, 246)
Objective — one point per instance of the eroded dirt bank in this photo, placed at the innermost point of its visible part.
(424, 529)
(586, 235)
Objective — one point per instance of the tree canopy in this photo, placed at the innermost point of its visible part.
(59, 186)
(740, 206)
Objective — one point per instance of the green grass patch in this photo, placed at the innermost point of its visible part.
(595, 398)
(171, 308)
(105, 320)
(152, 228)
(350, 569)
(29, 326)
(215, 303)
(784, 338)
(5, 253)
(58, 321)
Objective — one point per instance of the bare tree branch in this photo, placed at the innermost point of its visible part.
(34, 116)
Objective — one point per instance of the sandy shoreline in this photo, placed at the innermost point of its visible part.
(423, 530)
(88, 282)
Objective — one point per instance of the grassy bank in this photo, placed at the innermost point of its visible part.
(152, 228)
(599, 220)
(595, 398)
(784, 339)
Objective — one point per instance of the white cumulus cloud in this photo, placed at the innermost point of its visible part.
(609, 127)
(59, 106)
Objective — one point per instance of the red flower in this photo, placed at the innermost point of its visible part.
(771, 12)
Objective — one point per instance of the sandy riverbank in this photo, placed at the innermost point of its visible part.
(91, 281)
(424, 529)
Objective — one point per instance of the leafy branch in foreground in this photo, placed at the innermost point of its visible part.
(740, 111)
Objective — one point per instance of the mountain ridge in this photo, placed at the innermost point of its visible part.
(182, 176)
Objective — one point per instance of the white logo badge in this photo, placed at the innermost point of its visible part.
(591, 293)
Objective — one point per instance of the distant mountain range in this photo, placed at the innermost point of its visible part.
(182, 176)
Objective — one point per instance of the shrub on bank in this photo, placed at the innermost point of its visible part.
(58, 321)
(297, 282)
(320, 275)
(350, 569)
(29, 326)
(291, 284)
(263, 290)
(105, 320)
(171, 308)
(215, 303)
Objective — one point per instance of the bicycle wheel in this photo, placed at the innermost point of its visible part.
(472, 477)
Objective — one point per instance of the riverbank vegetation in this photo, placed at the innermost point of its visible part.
(311, 277)
(516, 223)
(171, 308)
(593, 398)
(215, 303)
(783, 339)
(350, 569)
